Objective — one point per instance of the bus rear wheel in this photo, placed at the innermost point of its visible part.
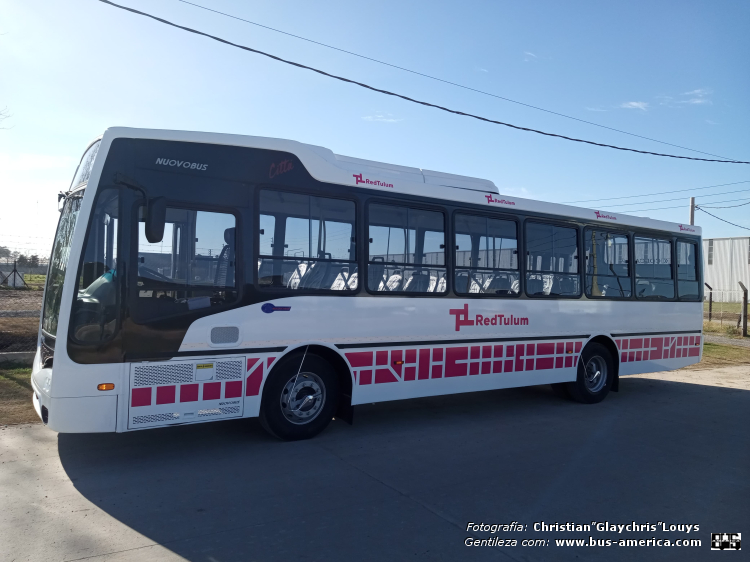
(299, 398)
(596, 371)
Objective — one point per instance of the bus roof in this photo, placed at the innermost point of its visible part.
(326, 166)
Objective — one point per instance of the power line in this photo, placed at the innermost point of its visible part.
(676, 199)
(682, 206)
(729, 206)
(657, 193)
(443, 80)
(426, 104)
(722, 220)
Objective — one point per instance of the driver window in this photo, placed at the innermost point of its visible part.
(193, 267)
(95, 309)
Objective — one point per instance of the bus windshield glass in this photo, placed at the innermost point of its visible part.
(59, 262)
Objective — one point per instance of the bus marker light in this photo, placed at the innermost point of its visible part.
(398, 362)
(106, 386)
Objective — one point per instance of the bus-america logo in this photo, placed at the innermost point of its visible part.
(379, 183)
(684, 228)
(182, 164)
(462, 319)
(601, 215)
(491, 199)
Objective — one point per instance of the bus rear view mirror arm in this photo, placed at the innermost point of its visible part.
(156, 209)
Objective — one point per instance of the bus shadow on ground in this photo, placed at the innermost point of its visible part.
(404, 481)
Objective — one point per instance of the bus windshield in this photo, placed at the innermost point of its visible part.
(59, 262)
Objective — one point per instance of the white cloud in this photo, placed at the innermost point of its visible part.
(697, 97)
(527, 56)
(697, 101)
(381, 118)
(642, 105)
(478, 69)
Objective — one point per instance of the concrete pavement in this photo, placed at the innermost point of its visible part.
(401, 484)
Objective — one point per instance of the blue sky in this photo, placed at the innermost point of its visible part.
(673, 71)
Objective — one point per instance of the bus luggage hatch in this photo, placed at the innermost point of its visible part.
(173, 392)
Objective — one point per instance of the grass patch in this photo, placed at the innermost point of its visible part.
(728, 330)
(15, 395)
(716, 355)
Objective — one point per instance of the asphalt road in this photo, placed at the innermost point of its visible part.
(401, 484)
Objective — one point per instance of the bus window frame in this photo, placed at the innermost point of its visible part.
(698, 267)
(663, 236)
(121, 296)
(418, 205)
(132, 275)
(487, 215)
(578, 227)
(631, 265)
(285, 291)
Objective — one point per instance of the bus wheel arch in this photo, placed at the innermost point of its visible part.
(596, 372)
(611, 346)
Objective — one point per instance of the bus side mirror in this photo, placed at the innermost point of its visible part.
(156, 218)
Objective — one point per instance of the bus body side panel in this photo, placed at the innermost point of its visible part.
(406, 348)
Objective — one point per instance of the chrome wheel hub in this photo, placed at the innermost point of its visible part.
(595, 374)
(302, 398)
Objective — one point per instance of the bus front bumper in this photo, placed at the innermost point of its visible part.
(85, 414)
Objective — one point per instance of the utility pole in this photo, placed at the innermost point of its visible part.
(692, 211)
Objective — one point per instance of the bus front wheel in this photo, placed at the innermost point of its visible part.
(596, 371)
(299, 398)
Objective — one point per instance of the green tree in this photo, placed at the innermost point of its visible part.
(34, 261)
(22, 261)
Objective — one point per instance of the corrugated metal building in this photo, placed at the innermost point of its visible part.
(726, 261)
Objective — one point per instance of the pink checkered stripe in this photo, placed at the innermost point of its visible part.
(657, 348)
(423, 363)
(257, 368)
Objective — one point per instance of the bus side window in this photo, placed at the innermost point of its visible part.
(607, 268)
(551, 260)
(653, 268)
(193, 267)
(306, 242)
(688, 286)
(406, 250)
(486, 256)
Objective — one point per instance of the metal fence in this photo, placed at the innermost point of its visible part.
(19, 318)
(724, 307)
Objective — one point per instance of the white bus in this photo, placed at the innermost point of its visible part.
(198, 277)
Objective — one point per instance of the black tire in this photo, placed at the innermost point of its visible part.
(588, 388)
(316, 378)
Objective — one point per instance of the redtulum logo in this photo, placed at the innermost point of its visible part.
(684, 228)
(491, 199)
(182, 164)
(600, 215)
(281, 168)
(462, 319)
(379, 183)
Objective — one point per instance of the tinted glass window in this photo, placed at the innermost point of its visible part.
(607, 268)
(87, 163)
(191, 268)
(306, 242)
(406, 250)
(687, 270)
(551, 260)
(59, 262)
(653, 268)
(94, 314)
(486, 255)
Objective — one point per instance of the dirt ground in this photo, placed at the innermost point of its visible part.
(718, 368)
